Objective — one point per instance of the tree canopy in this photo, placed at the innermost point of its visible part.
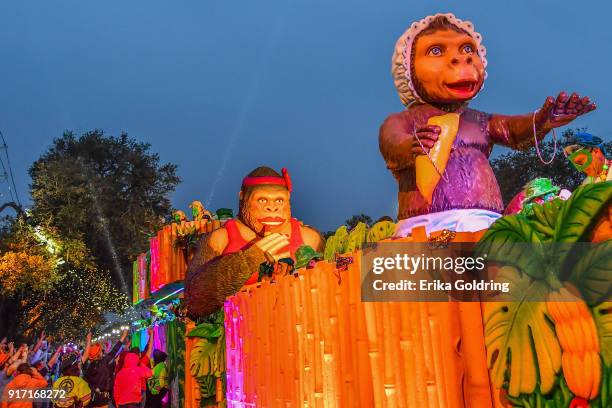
(96, 199)
(356, 219)
(110, 192)
(50, 283)
(515, 169)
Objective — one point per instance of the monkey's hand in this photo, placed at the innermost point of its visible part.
(561, 111)
(273, 245)
(427, 135)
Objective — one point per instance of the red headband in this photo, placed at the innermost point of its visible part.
(285, 180)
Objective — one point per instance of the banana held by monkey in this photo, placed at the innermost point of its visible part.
(429, 170)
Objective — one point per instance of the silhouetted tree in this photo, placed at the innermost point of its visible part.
(356, 219)
(109, 192)
(515, 169)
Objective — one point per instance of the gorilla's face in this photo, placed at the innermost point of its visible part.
(267, 209)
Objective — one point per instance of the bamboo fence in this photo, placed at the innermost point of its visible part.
(309, 341)
(172, 265)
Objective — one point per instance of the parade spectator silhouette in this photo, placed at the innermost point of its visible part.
(157, 385)
(77, 391)
(99, 372)
(26, 378)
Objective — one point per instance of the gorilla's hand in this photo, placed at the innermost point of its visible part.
(273, 244)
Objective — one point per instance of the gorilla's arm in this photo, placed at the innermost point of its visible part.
(212, 277)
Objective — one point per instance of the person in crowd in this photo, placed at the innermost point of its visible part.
(85, 350)
(7, 352)
(145, 357)
(11, 362)
(39, 350)
(45, 366)
(4, 351)
(129, 382)
(77, 392)
(157, 385)
(26, 378)
(99, 372)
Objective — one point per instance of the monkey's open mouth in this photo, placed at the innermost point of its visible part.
(462, 87)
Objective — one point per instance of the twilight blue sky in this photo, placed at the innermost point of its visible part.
(220, 87)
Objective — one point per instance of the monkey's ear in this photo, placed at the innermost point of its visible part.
(240, 195)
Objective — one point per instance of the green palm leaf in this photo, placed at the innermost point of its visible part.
(544, 218)
(603, 320)
(591, 274)
(506, 242)
(578, 213)
(518, 332)
(207, 363)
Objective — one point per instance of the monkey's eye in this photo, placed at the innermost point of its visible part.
(279, 201)
(262, 201)
(468, 49)
(435, 51)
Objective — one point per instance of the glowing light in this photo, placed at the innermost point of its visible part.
(167, 296)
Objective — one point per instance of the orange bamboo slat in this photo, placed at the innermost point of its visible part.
(309, 341)
(477, 385)
(192, 390)
(171, 265)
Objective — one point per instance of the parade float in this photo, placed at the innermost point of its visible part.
(271, 315)
(331, 349)
(158, 276)
(306, 338)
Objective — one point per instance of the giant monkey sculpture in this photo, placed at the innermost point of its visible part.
(229, 257)
(438, 67)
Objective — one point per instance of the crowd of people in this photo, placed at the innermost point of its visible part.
(102, 375)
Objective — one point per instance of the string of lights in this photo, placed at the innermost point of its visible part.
(112, 333)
